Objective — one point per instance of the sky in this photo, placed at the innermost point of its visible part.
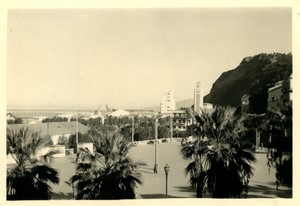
(126, 58)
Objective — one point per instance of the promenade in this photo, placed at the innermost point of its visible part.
(262, 184)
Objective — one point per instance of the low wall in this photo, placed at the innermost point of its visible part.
(60, 148)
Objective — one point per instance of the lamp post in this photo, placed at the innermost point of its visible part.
(156, 149)
(167, 169)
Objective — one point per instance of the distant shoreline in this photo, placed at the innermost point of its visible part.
(50, 110)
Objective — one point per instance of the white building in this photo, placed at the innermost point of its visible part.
(208, 106)
(198, 98)
(167, 102)
(120, 113)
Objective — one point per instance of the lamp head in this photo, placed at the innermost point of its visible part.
(167, 169)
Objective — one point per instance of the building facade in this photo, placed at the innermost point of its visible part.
(167, 103)
(245, 104)
(208, 107)
(198, 98)
(181, 121)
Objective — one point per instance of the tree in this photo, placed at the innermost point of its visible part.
(109, 173)
(18, 120)
(55, 119)
(10, 121)
(81, 138)
(163, 132)
(15, 121)
(220, 164)
(280, 149)
(28, 179)
(63, 140)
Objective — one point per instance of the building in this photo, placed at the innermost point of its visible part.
(119, 113)
(208, 106)
(198, 98)
(280, 93)
(10, 116)
(287, 89)
(245, 104)
(167, 102)
(53, 129)
(142, 112)
(181, 120)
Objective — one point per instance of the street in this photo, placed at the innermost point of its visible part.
(262, 184)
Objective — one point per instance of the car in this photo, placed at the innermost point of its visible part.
(150, 142)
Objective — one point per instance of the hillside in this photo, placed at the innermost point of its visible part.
(253, 76)
(184, 103)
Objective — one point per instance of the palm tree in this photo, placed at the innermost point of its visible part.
(109, 173)
(28, 179)
(220, 164)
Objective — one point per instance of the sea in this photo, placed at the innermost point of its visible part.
(46, 113)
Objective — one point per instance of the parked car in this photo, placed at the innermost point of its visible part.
(150, 142)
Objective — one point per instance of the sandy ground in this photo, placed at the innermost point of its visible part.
(262, 184)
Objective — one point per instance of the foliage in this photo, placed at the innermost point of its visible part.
(109, 173)
(62, 140)
(143, 129)
(28, 179)
(81, 138)
(55, 119)
(280, 149)
(253, 76)
(163, 132)
(15, 121)
(220, 164)
(91, 122)
(10, 121)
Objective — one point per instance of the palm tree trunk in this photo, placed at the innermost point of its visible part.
(199, 189)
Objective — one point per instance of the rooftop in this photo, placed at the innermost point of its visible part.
(52, 128)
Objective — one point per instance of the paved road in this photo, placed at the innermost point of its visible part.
(262, 184)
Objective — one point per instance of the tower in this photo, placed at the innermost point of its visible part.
(167, 102)
(198, 97)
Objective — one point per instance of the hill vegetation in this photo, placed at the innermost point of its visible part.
(253, 76)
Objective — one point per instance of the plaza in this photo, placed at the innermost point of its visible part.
(262, 184)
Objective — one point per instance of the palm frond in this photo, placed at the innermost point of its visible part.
(45, 173)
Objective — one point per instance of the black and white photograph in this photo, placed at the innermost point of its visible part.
(149, 103)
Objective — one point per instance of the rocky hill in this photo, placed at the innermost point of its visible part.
(253, 76)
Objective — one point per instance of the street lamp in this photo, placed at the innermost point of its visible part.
(167, 169)
(156, 149)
